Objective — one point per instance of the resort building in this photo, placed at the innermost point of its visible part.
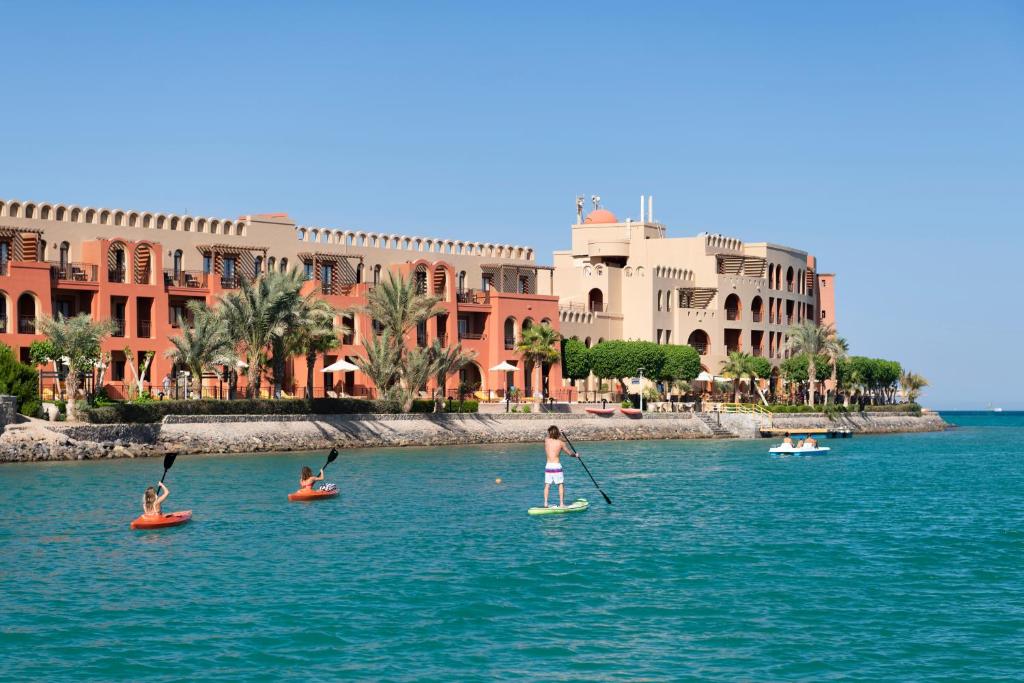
(629, 280)
(141, 268)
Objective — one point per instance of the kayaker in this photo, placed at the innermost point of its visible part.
(306, 479)
(553, 448)
(151, 501)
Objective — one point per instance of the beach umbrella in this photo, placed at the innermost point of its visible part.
(340, 366)
(504, 366)
(704, 377)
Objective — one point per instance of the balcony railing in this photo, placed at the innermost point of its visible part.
(118, 327)
(510, 343)
(789, 286)
(443, 339)
(74, 272)
(732, 348)
(26, 324)
(192, 279)
(473, 296)
(4, 267)
(3, 325)
(470, 335)
(144, 329)
(757, 352)
(702, 349)
(598, 307)
(116, 274)
(230, 281)
(756, 316)
(732, 314)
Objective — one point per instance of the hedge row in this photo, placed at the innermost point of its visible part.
(156, 410)
(837, 408)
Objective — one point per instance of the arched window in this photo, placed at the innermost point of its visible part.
(41, 254)
(510, 333)
(359, 270)
(259, 265)
(462, 281)
(732, 307)
(271, 262)
(595, 300)
(376, 274)
(789, 279)
(177, 263)
(65, 252)
(699, 340)
(659, 299)
(756, 306)
(284, 264)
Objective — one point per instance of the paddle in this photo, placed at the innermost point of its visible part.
(331, 457)
(580, 458)
(168, 461)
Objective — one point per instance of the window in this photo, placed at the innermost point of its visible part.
(485, 283)
(659, 336)
(524, 284)
(327, 274)
(284, 265)
(41, 256)
(359, 270)
(668, 336)
(307, 269)
(207, 264)
(823, 314)
(229, 267)
(376, 274)
(177, 263)
(271, 262)
(65, 250)
(462, 281)
(259, 265)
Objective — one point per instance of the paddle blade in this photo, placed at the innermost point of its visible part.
(331, 457)
(606, 498)
(169, 460)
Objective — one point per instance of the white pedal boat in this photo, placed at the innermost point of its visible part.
(805, 450)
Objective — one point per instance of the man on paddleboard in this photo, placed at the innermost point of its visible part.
(553, 448)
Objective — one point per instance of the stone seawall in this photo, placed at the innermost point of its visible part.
(864, 423)
(37, 440)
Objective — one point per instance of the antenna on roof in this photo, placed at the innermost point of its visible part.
(596, 199)
(579, 209)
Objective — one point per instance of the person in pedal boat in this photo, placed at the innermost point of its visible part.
(553, 448)
(306, 479)
(151, 501)
(788, 441)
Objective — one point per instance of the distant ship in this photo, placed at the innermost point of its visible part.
(994, 410)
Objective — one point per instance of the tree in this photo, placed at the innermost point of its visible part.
(912, 384)
(397, 306)
(139, 374)
(312, 333)
(203, 344)
(795, 368)
(736, 367)
(447, 361)
(18, 379)
(758, 367)
(41, 352)
(292, 314)
(76, 341)
(810, 338)
(575, 359)
(618, 359)
(837, 349)
(256, 315)
(538, 347)
(382, 364)
(681, 363)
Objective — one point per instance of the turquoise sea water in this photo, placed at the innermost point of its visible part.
(898, 557)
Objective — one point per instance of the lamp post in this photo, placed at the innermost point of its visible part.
(640, 373)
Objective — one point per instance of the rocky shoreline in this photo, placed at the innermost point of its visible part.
(37, 440)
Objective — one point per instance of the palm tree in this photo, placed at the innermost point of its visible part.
(398, 307)
(76, 342)
(256, 315)
(837, 349)
(912, 384)
(736, 367)
(294, 309)
(420, 364)
(313, 333)
(447, 361)
(202, 345)
(382, 364)
(810, 338)
(538, 345)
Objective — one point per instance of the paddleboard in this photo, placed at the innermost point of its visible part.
(580, 505)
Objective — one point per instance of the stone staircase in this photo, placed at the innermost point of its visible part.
(717, 430)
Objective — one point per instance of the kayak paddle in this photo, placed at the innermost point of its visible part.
(168, 461)
(331, 457)
(580, 458)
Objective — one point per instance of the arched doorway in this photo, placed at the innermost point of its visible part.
(510, 333)
(470, 380)
(755, 309)
(595, 300)
(700, 341)
(27, 314)
(732, 307)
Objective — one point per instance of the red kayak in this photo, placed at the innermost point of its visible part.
(159, 522)
(312, 495)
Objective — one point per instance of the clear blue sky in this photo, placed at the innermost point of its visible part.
(884, 137)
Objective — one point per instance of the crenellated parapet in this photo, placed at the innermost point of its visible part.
(87, 215)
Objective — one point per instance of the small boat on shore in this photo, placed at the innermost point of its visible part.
(601, 411)
(632, 412)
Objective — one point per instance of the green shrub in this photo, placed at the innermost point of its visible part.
(894, 408)
(422, 405)
(527, 409)
(18, 379)
(156, 410)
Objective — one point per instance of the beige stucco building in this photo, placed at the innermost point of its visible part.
(630, 280)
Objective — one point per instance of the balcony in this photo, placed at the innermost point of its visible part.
(189, 279)
(473, 296)
(598, 307)
(702, 349)
(118, 327)
(26, 324)
(732, 314)
(230, 281)
(5, 268)
(74, 272)
(472, 336)
(732, 348)
(116, 274)
(144, 329)
(757, 352)
(756, 316)
(510, 343)
(443, 339)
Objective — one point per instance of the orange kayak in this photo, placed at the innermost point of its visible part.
(170, 519)
(312, 495)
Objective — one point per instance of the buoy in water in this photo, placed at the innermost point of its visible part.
(498, 480)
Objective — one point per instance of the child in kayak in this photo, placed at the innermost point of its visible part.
(306, 479)
(553, 448)
(151, 501)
